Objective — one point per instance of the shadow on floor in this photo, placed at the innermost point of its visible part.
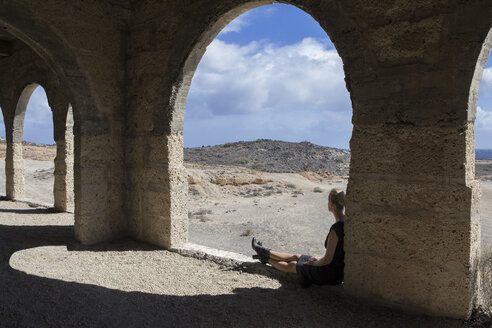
(47, 210)
(32, 301)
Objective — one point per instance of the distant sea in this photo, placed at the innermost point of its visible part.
(483, 153)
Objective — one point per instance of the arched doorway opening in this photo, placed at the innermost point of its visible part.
(481, 113)
(33, 124)
(266, 128)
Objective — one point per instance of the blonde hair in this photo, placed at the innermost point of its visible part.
(337, 198)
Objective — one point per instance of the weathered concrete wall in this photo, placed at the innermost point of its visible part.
(412, 225)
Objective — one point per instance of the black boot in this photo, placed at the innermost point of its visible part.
(263, 260)
(263, 252)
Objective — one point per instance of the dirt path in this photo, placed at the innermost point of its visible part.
(48, 280)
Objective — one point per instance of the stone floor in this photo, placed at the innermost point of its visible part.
(48, 280)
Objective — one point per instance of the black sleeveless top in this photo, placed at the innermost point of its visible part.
(338, 261)
(330, 274)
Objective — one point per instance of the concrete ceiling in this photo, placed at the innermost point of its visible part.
(5, 35)
(5, 42)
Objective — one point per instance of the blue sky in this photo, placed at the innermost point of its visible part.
(271, 73)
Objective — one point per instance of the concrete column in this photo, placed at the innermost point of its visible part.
(412, 225)
(99, 188)
(14, 170)
(64, 161)
(158, 187)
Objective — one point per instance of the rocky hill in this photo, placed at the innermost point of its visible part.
(262, 155)
(273, 156)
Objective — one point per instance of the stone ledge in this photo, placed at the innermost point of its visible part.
(215, 255)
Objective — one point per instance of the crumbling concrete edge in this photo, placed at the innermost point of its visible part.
(218, 256)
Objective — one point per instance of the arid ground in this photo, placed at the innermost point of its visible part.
(48, 280)
(228, 205)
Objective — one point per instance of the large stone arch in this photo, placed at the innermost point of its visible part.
(156, 131)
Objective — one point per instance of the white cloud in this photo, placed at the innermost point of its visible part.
(295, 92)
(236, 25)
(487, 75)
(483, 120)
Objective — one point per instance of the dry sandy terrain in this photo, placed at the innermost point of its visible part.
(227, 205)
(281, 208)
(48, 280)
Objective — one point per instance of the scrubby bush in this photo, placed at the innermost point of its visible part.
(247, 233)
(317, 189)
(241, 160)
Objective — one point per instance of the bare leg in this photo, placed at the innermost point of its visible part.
(284, 266)
(286, 257)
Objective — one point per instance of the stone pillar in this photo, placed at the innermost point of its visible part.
(64, 161)
(412, 224)
(14, 170)
(99, 185)
(99, 188)
(158, 187)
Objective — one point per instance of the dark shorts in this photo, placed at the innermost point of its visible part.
(323, 275)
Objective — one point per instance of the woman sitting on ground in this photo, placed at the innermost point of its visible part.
(327, 270)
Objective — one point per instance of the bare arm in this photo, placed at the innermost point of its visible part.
(330, 250)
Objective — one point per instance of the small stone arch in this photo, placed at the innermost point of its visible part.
(62, 114)
(14, 166)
